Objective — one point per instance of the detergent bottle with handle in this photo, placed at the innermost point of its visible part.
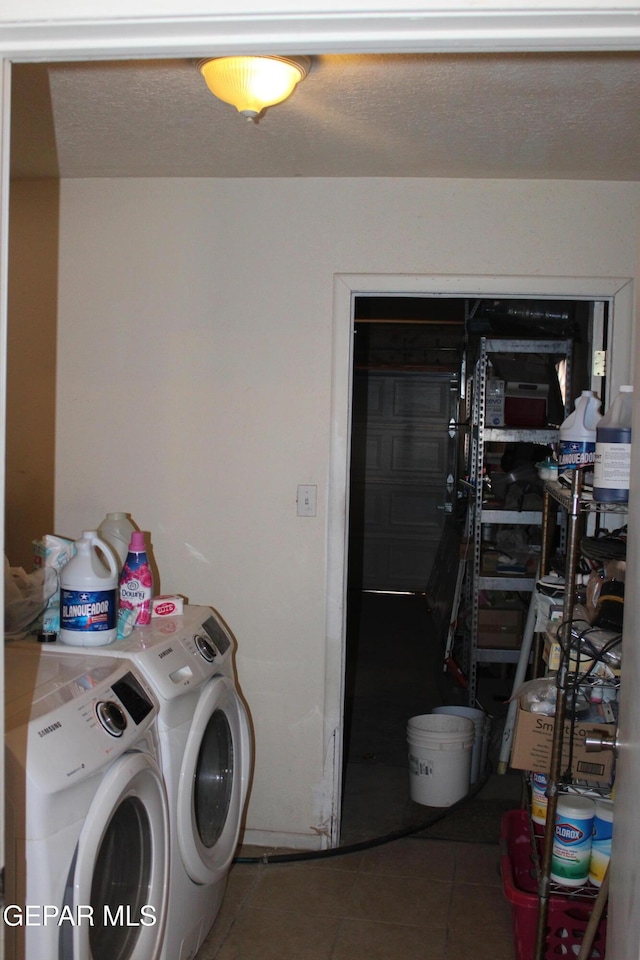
(577, 446)
(89, 594)
(116, 529)
(612, 466)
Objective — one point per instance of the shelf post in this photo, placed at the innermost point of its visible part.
(555, 771)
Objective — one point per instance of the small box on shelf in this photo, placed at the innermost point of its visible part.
(494, 403)
(499, 629)
(533, 739)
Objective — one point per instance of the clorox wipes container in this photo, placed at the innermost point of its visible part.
(89, 594)
(572, 838)
(577, 447)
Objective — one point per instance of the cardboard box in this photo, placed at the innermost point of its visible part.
(532, 743)
(500, 629)
(494, 403)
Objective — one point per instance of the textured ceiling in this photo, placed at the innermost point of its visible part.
(527, 115)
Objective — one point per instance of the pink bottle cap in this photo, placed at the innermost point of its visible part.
(137, 544)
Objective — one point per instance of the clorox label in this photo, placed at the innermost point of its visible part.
(88, 611)
(569, 833)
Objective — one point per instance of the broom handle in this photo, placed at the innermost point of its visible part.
(594, 919)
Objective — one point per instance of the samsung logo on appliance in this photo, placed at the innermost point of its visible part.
(47, 730)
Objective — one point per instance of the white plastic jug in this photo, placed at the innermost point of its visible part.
(577, 447)
(89, 594)
(116, 529)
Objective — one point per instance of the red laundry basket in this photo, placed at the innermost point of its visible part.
(568, 914)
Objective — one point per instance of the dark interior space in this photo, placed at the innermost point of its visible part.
(396, 666)
(396, 671)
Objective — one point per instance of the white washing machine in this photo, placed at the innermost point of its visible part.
(87, 817)
(205, 755)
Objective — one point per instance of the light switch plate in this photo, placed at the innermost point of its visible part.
(307, 500)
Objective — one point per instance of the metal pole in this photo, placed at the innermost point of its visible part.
(560, 716)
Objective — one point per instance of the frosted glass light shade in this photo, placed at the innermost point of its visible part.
(252, 83)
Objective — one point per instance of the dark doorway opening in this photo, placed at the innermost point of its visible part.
(410, 355)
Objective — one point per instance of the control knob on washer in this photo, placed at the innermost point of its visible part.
(204, 648)
(112, 717)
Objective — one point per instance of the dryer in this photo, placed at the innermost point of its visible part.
(87, 816)
(205, 755)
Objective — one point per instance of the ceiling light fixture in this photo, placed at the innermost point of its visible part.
(252, 83)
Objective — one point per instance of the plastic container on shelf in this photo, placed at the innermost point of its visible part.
(577, 435)
(116, 529)
(89, 594)
(572, 837)
(601, 842)
(539, 802)
(612, 464)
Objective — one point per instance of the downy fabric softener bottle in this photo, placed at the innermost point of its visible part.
(136, 580)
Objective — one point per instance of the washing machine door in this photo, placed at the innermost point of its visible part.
(121, 869)
(213, 782)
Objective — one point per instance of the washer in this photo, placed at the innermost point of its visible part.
(86, 810)
(205, 755)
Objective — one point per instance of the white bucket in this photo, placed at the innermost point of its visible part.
(479, 719)
(440, 750)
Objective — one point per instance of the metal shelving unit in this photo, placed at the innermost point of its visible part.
(481, 513)
(577, 506)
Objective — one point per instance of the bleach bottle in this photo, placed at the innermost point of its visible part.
(612, 465)
(89, 594)
(577, 447)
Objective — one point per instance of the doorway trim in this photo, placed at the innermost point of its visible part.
(617, 291)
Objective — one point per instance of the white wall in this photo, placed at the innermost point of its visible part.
(194, 390)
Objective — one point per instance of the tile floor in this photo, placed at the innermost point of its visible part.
(411, 899)
(416, 898)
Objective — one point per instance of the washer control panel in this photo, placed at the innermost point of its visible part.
(73, 716)
(176, 654)
(181, 652)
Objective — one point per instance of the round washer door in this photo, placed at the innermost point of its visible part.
(122, 864)
(213, 782)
